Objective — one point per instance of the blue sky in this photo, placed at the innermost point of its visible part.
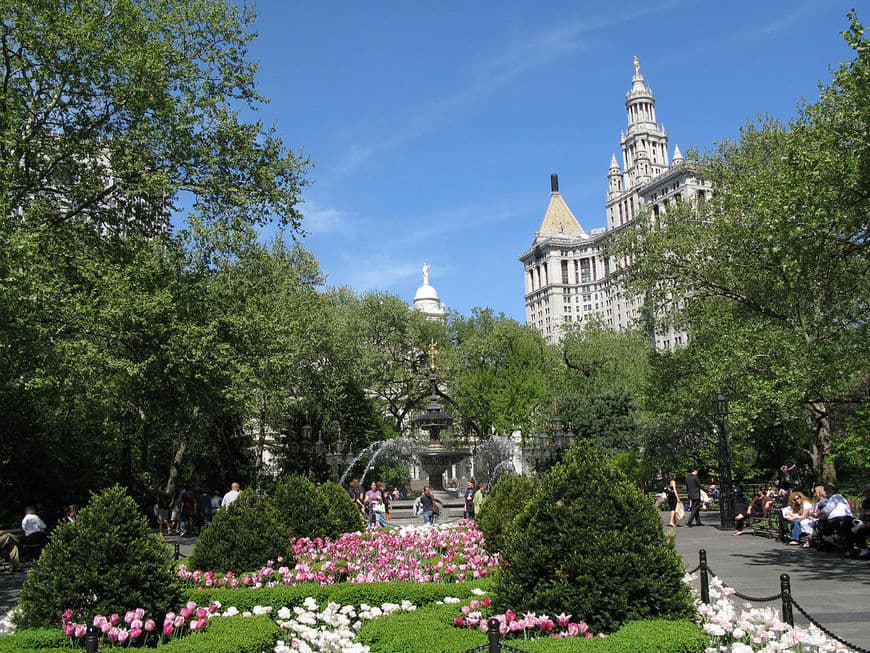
(434, 126)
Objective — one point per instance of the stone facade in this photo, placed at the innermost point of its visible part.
(568, 279)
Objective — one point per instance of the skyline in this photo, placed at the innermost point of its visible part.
(434, 130)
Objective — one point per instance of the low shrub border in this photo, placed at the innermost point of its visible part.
(427, 629)
(419, 594)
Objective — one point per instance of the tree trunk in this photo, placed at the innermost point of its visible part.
(820, 426)
(176, 463)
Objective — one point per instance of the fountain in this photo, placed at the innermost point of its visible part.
(435, 457)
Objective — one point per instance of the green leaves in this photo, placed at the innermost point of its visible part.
(771, 273)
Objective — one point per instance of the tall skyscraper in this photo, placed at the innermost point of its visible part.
(568, 279)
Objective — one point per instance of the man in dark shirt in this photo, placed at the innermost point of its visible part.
(470, 491)
(693, 491)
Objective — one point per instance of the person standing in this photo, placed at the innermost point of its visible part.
(693, 491)
(478, 499)
(470, 491)
(428, 506)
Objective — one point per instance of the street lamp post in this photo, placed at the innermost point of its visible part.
(726, 501)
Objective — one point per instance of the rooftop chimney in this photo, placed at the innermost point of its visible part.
(554, 183)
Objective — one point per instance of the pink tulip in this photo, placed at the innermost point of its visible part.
(167, 629)
(81, 630)
(128, 617)
(67, 615)
(135, 633)
(179, 622)
(150, 625)
(123, 635)
(115, 619)
(186, 612)
(69, 629)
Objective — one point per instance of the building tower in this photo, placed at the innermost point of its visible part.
(568, 279)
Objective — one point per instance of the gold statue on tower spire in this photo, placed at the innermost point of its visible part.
(433, 352)
(636, 65)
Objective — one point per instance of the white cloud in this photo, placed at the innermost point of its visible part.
(324, 219)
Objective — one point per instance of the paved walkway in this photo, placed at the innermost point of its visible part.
(835, 590)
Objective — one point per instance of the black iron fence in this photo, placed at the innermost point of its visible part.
(784, 596)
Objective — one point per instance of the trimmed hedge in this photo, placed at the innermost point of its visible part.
(231, 635)
(343, 593)
(651, 636)
(428, 630)
(34, 639)
(223, 635)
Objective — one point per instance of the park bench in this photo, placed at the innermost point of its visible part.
(773, 525)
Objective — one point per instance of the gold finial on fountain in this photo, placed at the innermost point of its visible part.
(433, 352)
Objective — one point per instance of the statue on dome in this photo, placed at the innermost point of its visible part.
(426, 268)
(636, 65)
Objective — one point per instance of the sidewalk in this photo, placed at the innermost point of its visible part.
(835, 590)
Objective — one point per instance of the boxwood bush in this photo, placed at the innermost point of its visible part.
(589, 544)
(341, 514)
(301, 509)
(107, 561)
(507, 499)
(242, 537)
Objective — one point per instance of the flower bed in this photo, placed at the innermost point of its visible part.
(411, 553)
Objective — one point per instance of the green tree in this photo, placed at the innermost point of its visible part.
(110, 112)
(771, 273)
(498, 372)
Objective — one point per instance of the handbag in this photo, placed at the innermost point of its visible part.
(435, 509)
(680, 511)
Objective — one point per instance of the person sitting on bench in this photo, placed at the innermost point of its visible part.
(835, 515)
(34, 533)
(799, 507)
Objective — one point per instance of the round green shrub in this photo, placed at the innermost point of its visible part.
(107, 561)
(508, 498)
(342, 514)
(242, 537)
(589, 544)
(300, 507)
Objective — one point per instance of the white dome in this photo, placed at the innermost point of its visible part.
(426, 293)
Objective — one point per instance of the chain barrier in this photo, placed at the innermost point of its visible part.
(758, 599)
(826, 631)
(784, 595)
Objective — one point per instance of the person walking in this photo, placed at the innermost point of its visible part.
(693, 491)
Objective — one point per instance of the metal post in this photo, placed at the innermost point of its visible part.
(92, 639)
(785, 588)
(177, 551)
(492, 632)
(726, 500)
(705, 579)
